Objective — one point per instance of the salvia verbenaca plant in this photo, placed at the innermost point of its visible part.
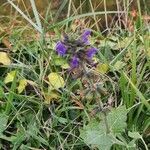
(78, 50)
(81, 52)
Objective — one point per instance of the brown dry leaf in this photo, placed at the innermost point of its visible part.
(81, 106)
(6, 42)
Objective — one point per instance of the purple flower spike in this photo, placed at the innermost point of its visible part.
(75, 62)
(61, 48)
(91, 52)
(85, 35)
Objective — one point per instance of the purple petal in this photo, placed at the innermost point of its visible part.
(74, 62)
(85, 40)
(85, 35)
(61, 48)
(86, 32)
(91, 52)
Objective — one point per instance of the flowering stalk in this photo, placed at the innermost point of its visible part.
(80, 53)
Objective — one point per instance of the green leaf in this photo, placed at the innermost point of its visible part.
(3, 122)
(96, 135)
(117, 119)
(59, 61)
(18, 138)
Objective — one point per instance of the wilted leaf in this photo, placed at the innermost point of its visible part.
(10, 77)
(56, 81)
(4, 59)
(22, 85)
(102, 68)
(119, 65)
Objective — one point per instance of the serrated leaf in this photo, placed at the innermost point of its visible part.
(102, 68)
(10, 77)
(117, 119)
(22, 85)
(4, 59)
(56, 81)
(3, 122)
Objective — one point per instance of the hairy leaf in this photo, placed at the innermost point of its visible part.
(96, 135)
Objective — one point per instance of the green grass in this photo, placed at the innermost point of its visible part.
(38, 118)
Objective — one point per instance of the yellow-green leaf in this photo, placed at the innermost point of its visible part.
(65, 66)
(22, 85)
(4, 59)
(56, 81)
(50, 96)
(10, 77)
(102, 68)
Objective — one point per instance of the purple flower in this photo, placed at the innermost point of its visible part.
(86, 32)
(61, 48)
(74, 62)
(85, 35)
(91, 52)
